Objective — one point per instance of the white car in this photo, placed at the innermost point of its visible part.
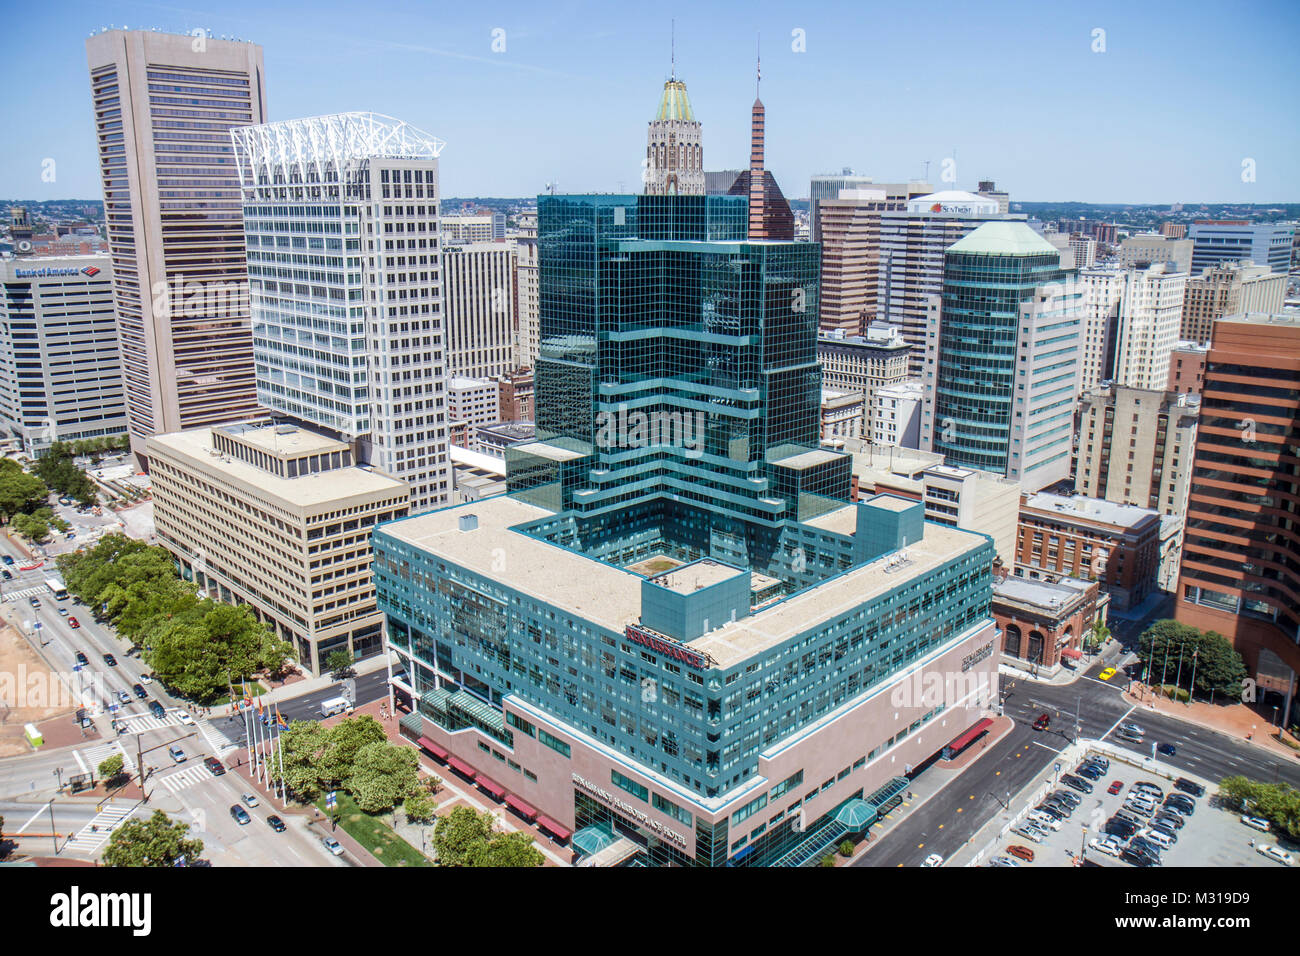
(249, 800)
(1105, 845)
(1030, 833)
(1155, 836)
(1276, 853)
(934, 859)
(1256, 823)
(1045, 819)
(333, 845)
(1003, 861)
(184, 717)
(146, 679)
(1133, 729)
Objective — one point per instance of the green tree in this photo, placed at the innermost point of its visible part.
(154, 842)
(1217, 666)
(383, 775)
(19, 491)
(1278, 803)
(340, 661)
(419, 807)
(301, 747)
(344, 741)
(111, 768)
(1096, 635)
(461, 834)
(184, 658)
(32, 528)
(507, 849)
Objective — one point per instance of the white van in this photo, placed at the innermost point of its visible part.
(334, 705)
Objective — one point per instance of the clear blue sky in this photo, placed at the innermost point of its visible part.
(1183, 92)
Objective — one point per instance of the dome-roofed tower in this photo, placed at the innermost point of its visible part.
(674, 162)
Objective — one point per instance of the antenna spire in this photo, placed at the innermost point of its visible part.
(674, 49)
(758, 71)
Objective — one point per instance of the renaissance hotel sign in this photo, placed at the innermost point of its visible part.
(673, 649)
(630, 811)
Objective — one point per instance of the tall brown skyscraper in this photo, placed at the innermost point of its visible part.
(164, 106)
(1241, 550)
(769, 213)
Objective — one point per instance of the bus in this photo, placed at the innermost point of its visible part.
(57, 588)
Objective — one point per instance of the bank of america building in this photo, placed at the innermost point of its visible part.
(675, 641)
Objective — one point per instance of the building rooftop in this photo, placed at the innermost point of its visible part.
(305, 491)
(611, 597)
(1091, 509)
(1004, 238)
(696, 576)
(283, 441)
(1040, 595)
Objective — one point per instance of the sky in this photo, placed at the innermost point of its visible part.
(1146, 102)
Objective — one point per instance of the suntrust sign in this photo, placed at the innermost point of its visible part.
(628, 810)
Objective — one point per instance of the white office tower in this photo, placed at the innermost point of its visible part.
(479, 295)
(341, 220)
(1150, 318)
(1103, 289)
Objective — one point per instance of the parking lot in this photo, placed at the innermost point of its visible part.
(1211, 836)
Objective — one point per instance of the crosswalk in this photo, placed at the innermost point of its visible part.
(140, 723)
(89, 758)
(96, 833)
(179, 780)
(26, 593)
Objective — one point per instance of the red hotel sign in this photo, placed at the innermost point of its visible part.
(672, 649)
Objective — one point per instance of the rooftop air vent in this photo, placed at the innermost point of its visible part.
(468, 522)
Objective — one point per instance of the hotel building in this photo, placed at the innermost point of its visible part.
(164, 106)
(682, 643)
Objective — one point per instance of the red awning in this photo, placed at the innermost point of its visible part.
(976, 729)
(1071, 654)
(525, 810)
(492, 787)
(461, 767)
(546, 823)
(433, 748)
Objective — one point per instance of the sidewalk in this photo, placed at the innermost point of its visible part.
(1236, 720)
(1110, 651)
(297, 688)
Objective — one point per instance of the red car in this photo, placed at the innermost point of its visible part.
(73, 622)
(1042, 722)
(1115, 786)
(1023, 852)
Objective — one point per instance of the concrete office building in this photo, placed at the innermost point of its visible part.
(850, 230)
(60, 369)
(683, 660)
(828, 186)
(1084, 249)
(341, 217)
(1103, 292)
(474, 401)
(1002, 357)
(1147, 249)
(1083, 537)
(1242, 549)
(278, 518)
(863, 363)
(527, 306)
(989, 190)
(1105, 233)
(467, 227)
(1230, 288)
(480, 300)
(842, 415)
(1135, 447)
(912, 244)
(1150, 318)
(164, 106)
(1219, 241)
(1173, 230)
(896, 415)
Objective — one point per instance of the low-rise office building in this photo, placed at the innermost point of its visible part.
(1043, 623)
(842, 414)
(279, 518)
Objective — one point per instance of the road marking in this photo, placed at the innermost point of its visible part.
(1121, 719)
(29, 822)
(181, 779)
(105, 822)
(1045, 747)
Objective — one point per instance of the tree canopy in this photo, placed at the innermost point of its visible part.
(464, 837)
(157, 841)
(56, 469)
(1218, 666)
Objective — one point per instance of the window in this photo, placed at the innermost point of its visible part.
(749, 809)
(559, 746)
(630, 785)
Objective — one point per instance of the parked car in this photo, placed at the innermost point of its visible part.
(1171, 820)
(1073, 799)
(1098, 761)
(1076, 783)
(1051, 821)
(1276, 853)
(1188, 786)
(240, 814)
(1003, 861)
(1141, 842)
(177, 753)
(73, 623)
(934, 859)
(332, 845)
(1168, 750)
(1043, 722)
(1115, 787)
(1052, 810)
(1029, 833)
(1023, 852)
(1256, 823)
(1158, 827)
(1120, 828)
(215, 766)
(1137, 858)
(1183, 808)
(275, 823)
(1106, 845)
(1151, 788)
(1089, 771)
(1162, 840)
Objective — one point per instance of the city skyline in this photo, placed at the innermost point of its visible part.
(885, 114)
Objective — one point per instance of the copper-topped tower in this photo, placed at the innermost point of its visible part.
(674, 163)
